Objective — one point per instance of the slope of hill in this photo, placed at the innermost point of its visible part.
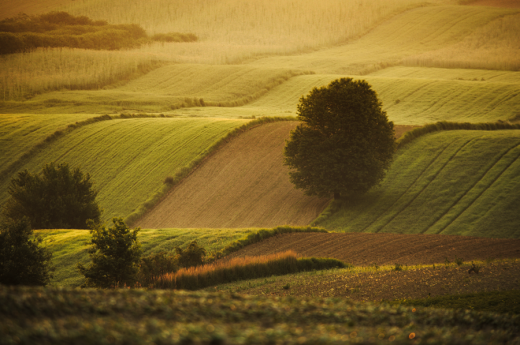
(243, 185)
(412, 95)
(454, 182)
(129, 159)
(360, 249)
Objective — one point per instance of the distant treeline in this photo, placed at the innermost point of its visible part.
(60, 29)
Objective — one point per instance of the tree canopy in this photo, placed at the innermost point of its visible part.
(345, 142)
(58, 198)
(115, 253)
(22, 260)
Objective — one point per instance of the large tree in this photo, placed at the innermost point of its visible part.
(345, 142)
(58, 198)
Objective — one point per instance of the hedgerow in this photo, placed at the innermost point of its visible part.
(448, 126)
(59, 29)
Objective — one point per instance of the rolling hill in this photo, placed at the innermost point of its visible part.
(453, 182)
(128, 159)
(243, 185)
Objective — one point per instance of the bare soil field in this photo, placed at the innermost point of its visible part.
(363, 249)
(244, 184)
(497, 3)
(388, 285)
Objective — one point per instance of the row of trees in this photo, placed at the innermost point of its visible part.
(342, 148)
(61, 29)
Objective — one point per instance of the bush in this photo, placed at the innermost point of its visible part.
(22, 260)
(192, 256)
(115, 255)
(156, 265)
(58, 198)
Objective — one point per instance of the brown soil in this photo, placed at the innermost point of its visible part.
(497, 3)
(244, 184)
(362, 249)
(377, 285)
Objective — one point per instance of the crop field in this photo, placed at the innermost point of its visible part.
(454, 182)
(129, 159)
(68, 246)
(243, 185)
(201, 114)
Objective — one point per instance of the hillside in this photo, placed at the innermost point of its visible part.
(360, 249)
(453, 182)
(128, 159)
(242, 185)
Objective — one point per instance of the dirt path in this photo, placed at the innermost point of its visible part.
(244, 184)
(386, 249)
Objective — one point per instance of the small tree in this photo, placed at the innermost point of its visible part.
(193, 255)
(59, 198)
(345, 143)
(115, 255)
(22, 260)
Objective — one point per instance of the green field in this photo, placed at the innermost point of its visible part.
(453, 182)
(128, 159)
(68, 246)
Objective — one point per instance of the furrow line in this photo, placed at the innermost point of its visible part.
(426, 186)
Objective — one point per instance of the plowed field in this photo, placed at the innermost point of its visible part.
(386, 249)
(243, 185)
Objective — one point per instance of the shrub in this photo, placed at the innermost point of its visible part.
(192, 256)
(397, 267)
(22, 260)
(115, 255)
(58, 198)
(156, 265)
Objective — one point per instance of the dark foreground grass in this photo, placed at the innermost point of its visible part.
(490, 301)
(69, 316)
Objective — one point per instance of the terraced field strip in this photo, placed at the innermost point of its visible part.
(410, 33)
(361, 249)
(68, 246)
(456, 182)
(129, 159)
(19, 133)
(415, 96)
(243, 185)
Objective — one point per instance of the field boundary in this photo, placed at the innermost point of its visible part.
(17, 164)
(188, 169)
(448, 126)
(259, 236)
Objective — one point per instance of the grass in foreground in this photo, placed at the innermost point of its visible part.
(490, 301)
(57, 316)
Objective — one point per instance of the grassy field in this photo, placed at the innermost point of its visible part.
(129, 159)
(68, 246)
(454, 182)
(171, 317)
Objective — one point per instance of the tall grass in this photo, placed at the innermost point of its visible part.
(493, 46)
(24, 75)
(240, 269)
